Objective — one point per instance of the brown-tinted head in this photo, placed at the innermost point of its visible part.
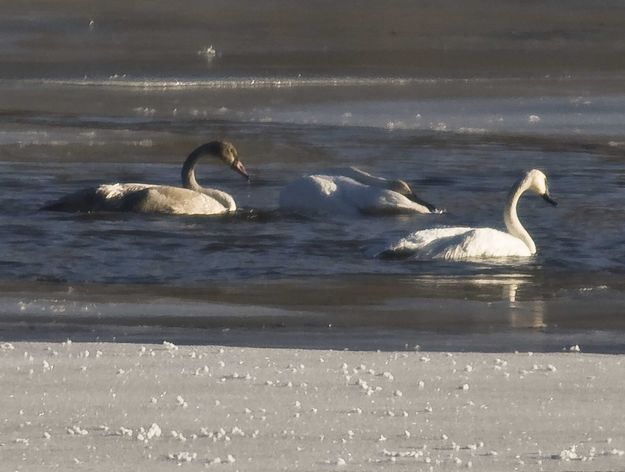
(228, 153)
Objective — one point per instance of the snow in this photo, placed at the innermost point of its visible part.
(295, 409)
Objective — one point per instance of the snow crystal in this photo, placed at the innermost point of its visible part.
(77, 430)
(614, 452)
(154, 431)
(171, 347)
(182, 456)
(569, 454)
(122, 431)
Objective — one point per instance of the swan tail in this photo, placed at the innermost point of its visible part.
(81, 201)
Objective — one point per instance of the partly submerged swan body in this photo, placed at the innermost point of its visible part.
(351, 191)
(460, 243)
(191, 199)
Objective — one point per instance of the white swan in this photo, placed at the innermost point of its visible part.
(459, 243)
(350, 191)
(193, 199)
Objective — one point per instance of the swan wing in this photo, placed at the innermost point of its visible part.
(145, 198)
(316, 194)
(339, 194)
(488, 243)
(459, 243)
(424, 244)
(178, 201)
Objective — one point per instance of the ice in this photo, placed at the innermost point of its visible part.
(260, 426)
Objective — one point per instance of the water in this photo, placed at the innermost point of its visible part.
(458, 119)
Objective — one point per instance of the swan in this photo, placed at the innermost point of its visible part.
(461, 243)
(193, 199)
(351, 191)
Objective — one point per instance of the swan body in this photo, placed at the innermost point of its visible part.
(351, 191)
(191, 199)
(464, 243)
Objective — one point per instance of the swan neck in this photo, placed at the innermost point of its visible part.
(188, 168)
(365, 177)
(513, 224)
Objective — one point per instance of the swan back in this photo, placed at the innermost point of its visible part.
(394, 185)
(458, 244)
(342, 195)
(178, 201)
(366, 178)
(350, 190)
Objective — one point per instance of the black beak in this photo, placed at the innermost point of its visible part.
(427, 205)
(548, 199)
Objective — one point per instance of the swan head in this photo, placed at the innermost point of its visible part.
(404, 189)
(536, 181)
(228, 154)
(400, 186)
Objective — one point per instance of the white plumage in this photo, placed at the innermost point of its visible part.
(464, 243)
(350, 191)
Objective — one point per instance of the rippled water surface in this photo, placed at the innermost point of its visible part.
(460, 137)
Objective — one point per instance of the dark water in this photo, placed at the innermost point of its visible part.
(457, 105)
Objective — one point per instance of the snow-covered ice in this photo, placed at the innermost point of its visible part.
(292, 409)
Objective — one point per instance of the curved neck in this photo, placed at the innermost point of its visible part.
(365, 177)
(514, 226)
(188, 168)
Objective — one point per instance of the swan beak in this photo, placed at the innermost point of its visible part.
(427, 205)
(549, 200)
(240, 168)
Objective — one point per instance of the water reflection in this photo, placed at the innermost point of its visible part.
(531, 315)
(519, 313)
(509, 284)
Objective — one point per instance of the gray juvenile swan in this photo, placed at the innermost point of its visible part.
(463, 243)
(351, 191)
(193, 199)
